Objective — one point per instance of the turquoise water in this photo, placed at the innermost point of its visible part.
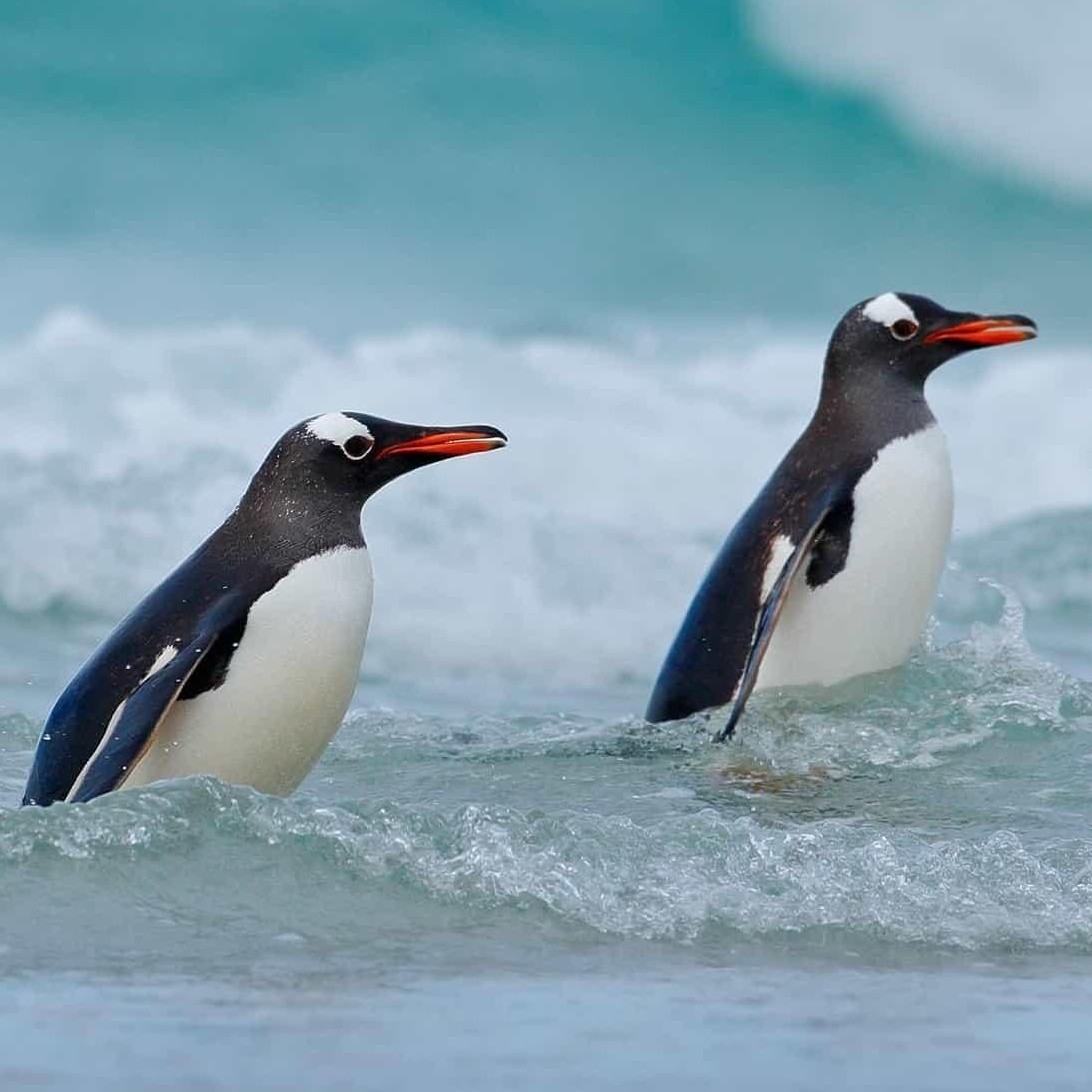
(344, 165)
(622, 233)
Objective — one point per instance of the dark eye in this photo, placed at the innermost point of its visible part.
(904, 329)
(356, 447)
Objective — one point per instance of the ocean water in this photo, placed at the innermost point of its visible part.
(621, 233)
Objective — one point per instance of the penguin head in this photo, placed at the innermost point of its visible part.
(907, 337)
(353, 455)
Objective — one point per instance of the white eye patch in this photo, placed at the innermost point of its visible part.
(336, 428)
(889, 309)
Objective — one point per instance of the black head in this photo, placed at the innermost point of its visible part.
(904, 338)
(324, 469)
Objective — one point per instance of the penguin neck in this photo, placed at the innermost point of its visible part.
(867, 409)
(297, 521)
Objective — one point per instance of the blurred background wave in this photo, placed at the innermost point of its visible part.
(349, 166)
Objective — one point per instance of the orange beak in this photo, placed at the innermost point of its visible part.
(999, 330)
(449, 442)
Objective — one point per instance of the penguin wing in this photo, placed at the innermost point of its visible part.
(130, 731)
(768, 615)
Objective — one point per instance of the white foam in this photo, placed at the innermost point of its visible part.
(888, 309)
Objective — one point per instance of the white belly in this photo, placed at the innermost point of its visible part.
(288, 685)
(870, 616)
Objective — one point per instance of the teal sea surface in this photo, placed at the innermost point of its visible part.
(346, 165)
(622, 233)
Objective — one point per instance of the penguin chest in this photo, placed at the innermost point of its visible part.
(287, 688)
(869, 615)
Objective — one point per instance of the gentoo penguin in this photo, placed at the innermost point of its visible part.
(832, 571)
(242, 663)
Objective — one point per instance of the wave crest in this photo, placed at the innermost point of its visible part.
(972, 83)
(702, 876)
(568, 558)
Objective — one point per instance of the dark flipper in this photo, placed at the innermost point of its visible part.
(146, 707)
(767, 621)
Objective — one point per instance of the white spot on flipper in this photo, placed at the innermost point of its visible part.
(336, 428)
(166, 654)
(781, 549)
(888, 309)
(780, 552)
